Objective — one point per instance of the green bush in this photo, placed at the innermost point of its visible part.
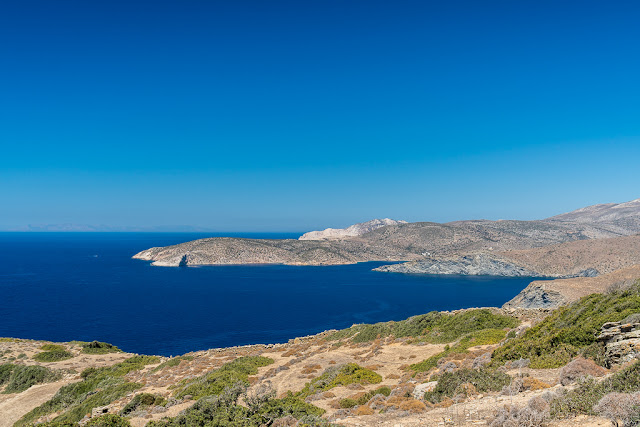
(223, 410)
(483, 380)
(347, 403)
(18, 378)
(570, 330)
(143, 400)
(215, 382)
(362, 400)
(97, 347)
(483, 337)
(55, 355)
(340, 375)
(109, 420)
(5, 372)
(52, 347)
(100, 387)
(435, 327)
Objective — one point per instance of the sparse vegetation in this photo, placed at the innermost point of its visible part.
(109, 420)
(363, 398)
(617, 407)
(19, 378)
(52, 353)
(215, 382)
(483, 337)
(222, 409)
(583, 398)
(97, 347)
(143, 400)
(570, 330)
(451, 384)
(535, 413)
(433, 327)
(175, 361)
(340, 375)
(100, 386)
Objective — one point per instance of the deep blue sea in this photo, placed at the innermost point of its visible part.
(85, 286)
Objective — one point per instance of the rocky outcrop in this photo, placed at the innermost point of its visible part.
(479, 264)
(554, 293)
(351, 231)
(622, 342)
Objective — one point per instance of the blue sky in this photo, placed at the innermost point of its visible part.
(290, 115)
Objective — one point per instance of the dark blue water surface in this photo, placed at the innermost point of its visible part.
(85, 286)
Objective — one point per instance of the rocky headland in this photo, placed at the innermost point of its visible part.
(574, 247)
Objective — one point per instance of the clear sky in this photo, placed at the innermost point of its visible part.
(294, 115)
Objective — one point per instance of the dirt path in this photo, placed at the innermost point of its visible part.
(14, 406)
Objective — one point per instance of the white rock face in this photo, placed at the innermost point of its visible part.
(354, 230)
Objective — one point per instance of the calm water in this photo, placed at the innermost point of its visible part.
(85, 286)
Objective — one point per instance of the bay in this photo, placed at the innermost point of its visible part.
(85, 286)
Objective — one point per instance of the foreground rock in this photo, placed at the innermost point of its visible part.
(622, 342)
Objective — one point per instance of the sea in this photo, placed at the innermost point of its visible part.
(85, 286)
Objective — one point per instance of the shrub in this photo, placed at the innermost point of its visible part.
(584, 397)
(570, 330)
(143, 400)
(5, 372)
(223, 410)
(109, 420)
(620, 406)
(348, 403)
(535, 413)
(19, 377)
(579, 368)
(484, 380)
(215, 382)
(52, 347)
(54, 355)
(340, 375)
(97, 347)
(100, 387)
(433, 327)
(483, 337)
(175, 361)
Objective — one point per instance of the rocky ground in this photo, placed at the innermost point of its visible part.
(295, 364)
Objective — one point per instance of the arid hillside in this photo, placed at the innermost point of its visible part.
(468, 367)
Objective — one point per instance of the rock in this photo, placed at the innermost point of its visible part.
(100, 410)
(351, 231)
(478, 264)
(421, 389)
(622, 342)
